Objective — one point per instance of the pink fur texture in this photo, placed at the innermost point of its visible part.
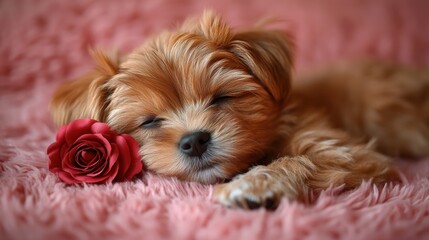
(43, 43)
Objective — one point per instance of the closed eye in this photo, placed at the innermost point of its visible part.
(151, 122)
(220, 99)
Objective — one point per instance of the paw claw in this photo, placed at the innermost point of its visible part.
(270, 203)
(251, 204)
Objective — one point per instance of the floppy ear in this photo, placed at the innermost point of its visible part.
(267, 55)
(87, 96)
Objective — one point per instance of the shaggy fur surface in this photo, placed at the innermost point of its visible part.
(43, 43)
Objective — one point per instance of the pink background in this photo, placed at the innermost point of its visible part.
(44, 43)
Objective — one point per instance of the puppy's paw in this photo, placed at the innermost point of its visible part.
(257, 188)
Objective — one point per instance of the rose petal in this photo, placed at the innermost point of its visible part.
(56, 151)
(124, 159)
(76, 128)
(110, 163)
(106, 178)
(61, 134)
(87, 155)
(87, 159)
(113, 173)
(106, 164)
(63, 150)
(103, 129)
(96, 161)
(105, 168)
(67, 178)
(136, 164)
(101, 168)
(89, 179)
(54, 156)
(97, 143)
(131, 163)
(68, 165)
(114, 155)
(79, 161)
(97, 167)
(71, 164)
(84, 153)
(73, 154)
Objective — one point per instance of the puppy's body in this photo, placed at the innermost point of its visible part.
(207, 104)
(339, 126)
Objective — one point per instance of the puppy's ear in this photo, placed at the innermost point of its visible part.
(87, 96)
(268, 56)
(211, 26)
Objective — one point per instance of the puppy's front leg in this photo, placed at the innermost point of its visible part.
(316, 159)
(264, 186)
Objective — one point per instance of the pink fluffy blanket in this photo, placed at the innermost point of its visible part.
(43, 43)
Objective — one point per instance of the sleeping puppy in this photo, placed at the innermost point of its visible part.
(213, 105)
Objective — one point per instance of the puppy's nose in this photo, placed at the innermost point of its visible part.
(194, 144)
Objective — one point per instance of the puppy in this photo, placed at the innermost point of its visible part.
(213, 105)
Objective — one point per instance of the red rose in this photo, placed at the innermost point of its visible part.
(88, 151)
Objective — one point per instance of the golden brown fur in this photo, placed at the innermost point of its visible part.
(273, 136)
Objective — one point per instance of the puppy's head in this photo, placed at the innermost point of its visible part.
(202, 101)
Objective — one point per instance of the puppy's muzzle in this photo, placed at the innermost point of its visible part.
(195, 144)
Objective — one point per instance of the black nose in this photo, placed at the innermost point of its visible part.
(194, 144)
